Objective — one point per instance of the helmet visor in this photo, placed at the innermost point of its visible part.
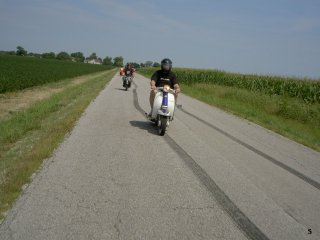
(166, 66)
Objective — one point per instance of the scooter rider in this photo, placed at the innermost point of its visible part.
(121, 71)
(128, 71)
(161, 78)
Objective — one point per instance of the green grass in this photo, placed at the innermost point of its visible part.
(289, 117)
(29, 137)
(292, 117)
(18, 73)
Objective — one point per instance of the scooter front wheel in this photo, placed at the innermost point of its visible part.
(163, 125)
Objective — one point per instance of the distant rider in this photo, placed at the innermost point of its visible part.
(128, 71)
(121, 70)
(163, 77)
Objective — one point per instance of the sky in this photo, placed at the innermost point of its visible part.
(278, 37)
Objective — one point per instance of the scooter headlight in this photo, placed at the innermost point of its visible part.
(166, 88)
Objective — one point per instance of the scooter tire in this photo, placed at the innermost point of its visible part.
(163, 125)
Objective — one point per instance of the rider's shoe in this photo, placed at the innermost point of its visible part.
(149, 114)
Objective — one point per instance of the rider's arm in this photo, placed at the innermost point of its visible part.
(153, 81)
(153, 84)
(175, 83)
(176, 88)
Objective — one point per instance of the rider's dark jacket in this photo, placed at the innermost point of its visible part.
(164, 78)
(128, 72)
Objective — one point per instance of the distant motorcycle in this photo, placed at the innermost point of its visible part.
(127, 82)
(163, 108)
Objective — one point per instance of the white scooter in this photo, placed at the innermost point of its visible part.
(163, 108)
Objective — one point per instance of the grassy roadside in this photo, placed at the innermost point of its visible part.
(290, 117)
(11, 102)
(30, 136)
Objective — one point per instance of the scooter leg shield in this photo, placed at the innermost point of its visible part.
(171, 104)
(156, 104)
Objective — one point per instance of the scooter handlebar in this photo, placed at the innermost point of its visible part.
(170, 90)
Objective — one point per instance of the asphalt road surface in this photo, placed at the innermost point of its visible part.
(212, 176)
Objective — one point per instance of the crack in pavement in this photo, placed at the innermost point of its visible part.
(117, 225)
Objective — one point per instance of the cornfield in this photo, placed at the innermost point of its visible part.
(17, 73)
(308, 90)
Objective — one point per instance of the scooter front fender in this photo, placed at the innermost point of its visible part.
(167, 114)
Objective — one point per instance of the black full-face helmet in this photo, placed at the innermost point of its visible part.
(166, 65)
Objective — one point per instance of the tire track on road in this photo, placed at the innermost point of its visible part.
(262, 154)
(239, 218)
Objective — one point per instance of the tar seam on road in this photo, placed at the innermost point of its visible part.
(262, 154)
(135, 100)
(241, 220)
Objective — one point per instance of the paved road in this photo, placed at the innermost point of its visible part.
(212, 176)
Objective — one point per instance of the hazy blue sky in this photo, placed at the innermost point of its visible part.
(250, 36)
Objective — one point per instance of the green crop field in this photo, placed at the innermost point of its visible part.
(17, 73)
(308, 90)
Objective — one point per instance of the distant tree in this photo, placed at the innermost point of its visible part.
(107, 61)
(30, 54)
(156, 64)
(21, 51)
(118, 61)
(148, 63)
(63, 56)
(92, 56)
(38, 55)
(49, 55)
(99, 60)
(142, 65)
(78, 56)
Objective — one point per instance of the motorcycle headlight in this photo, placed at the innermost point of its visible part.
(166, 88)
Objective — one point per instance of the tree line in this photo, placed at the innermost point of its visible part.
(75, 57)
(79, 57)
